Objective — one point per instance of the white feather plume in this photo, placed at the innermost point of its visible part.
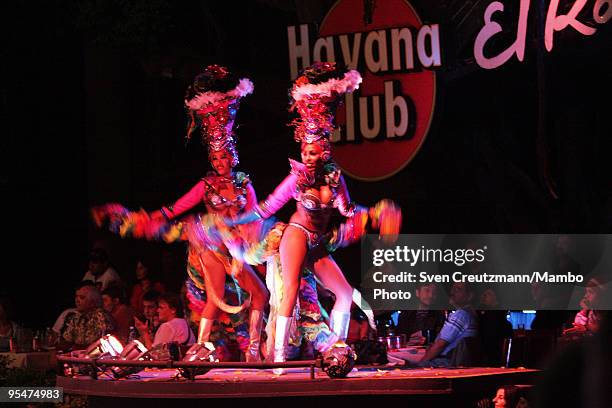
(244, 88)
(348, 83)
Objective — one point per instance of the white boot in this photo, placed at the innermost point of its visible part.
(205, 329)
(255, 326)
(339, 322)
(281, 338)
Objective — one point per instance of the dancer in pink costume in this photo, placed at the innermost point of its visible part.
(212, 102)
(318, 188)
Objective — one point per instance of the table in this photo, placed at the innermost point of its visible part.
(43, 360)
(410, 354)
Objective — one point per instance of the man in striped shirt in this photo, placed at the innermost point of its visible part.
(460, 324)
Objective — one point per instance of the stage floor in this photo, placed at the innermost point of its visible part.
(245, 383)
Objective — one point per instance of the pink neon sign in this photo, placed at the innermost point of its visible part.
(602, 12)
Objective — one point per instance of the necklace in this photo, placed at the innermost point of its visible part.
(225, 179)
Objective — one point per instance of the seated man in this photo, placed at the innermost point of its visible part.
(113, 299)
(68, 314)
(414, 322)
(91, 322)
(150, 301)
(460, 324)
(173, 328)
(100, 272)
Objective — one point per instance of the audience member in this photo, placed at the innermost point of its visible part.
(144, 284)
(414, 322)
(588, 320)
(173, 327)
(506, 397)
(579, 376)
(8, 328)
(460, 324)
(90, 324)
(113, 300)
(100, 272)
(150, 303)
(60, 323)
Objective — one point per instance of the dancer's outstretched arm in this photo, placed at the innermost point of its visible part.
(185, 203)
(343, 200)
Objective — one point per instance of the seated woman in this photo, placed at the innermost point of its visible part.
(143, 284)
(588, 320)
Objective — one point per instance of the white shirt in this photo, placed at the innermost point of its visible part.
(105, 279)
(177, 330)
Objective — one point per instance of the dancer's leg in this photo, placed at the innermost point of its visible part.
(216, 282)
(293, 249)
(330, 276)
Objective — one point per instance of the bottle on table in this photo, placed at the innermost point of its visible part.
(133, 334)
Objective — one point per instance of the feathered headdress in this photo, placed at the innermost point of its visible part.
(212, 102)
(315, 95)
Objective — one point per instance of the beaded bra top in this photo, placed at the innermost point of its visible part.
(216, 200)
(306, 181)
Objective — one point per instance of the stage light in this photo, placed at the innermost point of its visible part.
(108, 349)
(133, 351)
(106, 346)
(202, 352)
(199, 352)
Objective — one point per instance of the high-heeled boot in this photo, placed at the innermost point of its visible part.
(204, 330)
(281, 339)
(339, 323)
(255, 325)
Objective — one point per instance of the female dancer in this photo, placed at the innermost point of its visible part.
(319, 188)
(212, 102)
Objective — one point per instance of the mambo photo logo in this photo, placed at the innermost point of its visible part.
(384, 123)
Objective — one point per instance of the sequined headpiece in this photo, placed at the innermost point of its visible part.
(315, 95)
(212, 102)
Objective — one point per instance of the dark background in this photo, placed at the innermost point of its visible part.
(91, 112)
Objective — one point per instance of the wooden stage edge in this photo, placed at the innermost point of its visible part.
(296, 383)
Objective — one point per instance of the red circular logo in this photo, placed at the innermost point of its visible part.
(385, 123)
